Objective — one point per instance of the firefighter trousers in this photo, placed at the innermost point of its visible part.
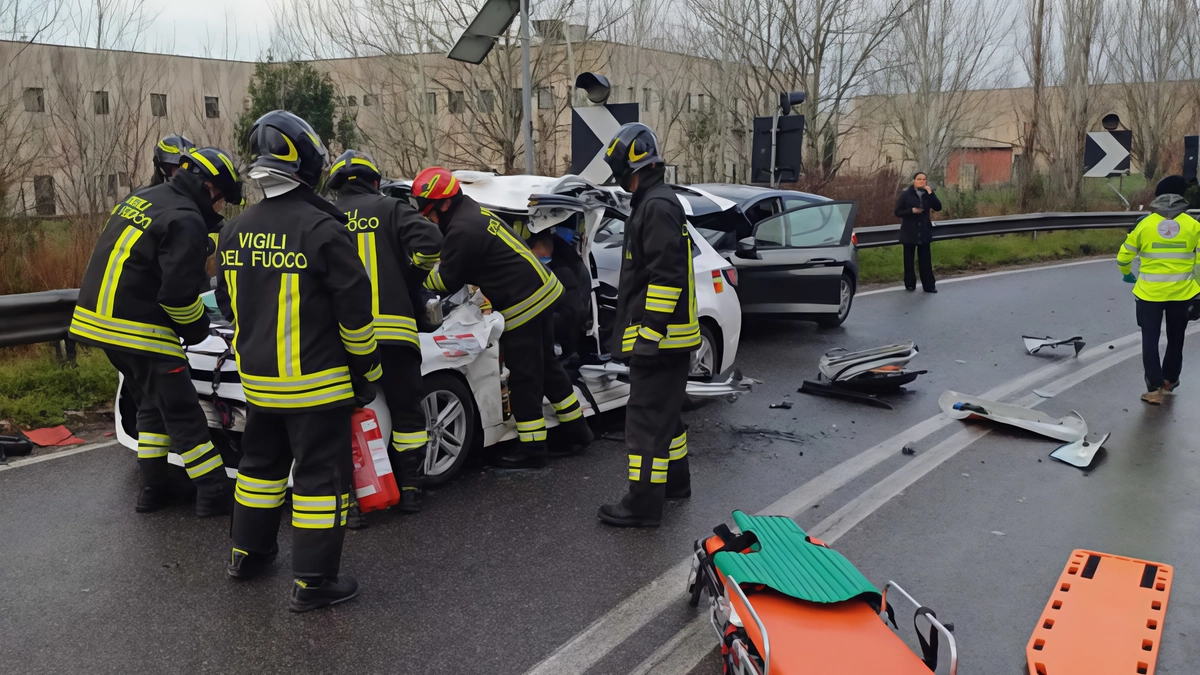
(322, 479)
(404, 390)
(169, 419)
(654, 431)
(534, 372)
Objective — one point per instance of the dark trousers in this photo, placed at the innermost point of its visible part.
(1150, 317)
(926, 264)
(654, 432)
(169, 418)
(322, 479)
(402, 386)
(534, 372)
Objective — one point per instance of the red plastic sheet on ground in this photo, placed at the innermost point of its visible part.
(52, 436)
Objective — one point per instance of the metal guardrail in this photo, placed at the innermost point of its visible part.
(888, 235)
(30, 318)
(44, 317)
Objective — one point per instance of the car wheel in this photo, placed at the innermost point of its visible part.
(706, 360)
(846, 298)
(454, 428)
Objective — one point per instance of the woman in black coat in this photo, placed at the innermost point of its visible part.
(916, 231)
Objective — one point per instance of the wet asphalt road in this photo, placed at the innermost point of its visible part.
(503, 568)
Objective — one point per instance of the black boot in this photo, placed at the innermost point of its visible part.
(411, 501)
(642, 508)
(570, 438)
(355, 518)
(247, 565)
(522, 456)
(310, 594)
(153, 498)
(214, 497)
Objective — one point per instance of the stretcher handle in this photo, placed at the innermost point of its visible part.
(765, 648)
(942, 630)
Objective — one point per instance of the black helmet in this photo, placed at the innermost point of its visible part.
(167, 153)
(352, 164)
(634, 147)
(283, 142)
(214, 166)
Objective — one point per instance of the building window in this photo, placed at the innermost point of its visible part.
(352, 101)
(123, 179)
(545, 98)
(369, 99)
(110, 185)
(158, 105)
(632, 98)
(487, 101)
(43, 195)
(429, 103)
(647, 99)
(517, 102)
(100, 102)
(35, 100)
(212, 107)
(691, 102)
(457, 103)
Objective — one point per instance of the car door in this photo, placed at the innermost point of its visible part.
(794, 262)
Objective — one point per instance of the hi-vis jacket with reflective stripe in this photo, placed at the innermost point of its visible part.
(656, 300)
(141, 290)
(1167, 241)
(290, 280)
(479, 249)
(398, 247)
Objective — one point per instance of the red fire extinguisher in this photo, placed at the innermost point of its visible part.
(374, 483)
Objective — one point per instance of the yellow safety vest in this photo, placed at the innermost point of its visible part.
(1167, 248)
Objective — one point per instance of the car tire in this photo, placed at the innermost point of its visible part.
(706, 361)
(847, 299)
(443, 389)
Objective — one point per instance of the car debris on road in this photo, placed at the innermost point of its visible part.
(860, 376)
(1035, 344)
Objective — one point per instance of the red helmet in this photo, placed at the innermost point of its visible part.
(431, 185)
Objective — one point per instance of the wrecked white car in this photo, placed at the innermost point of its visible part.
(464, 377)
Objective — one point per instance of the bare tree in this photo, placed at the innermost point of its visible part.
(1147, 64)
(931, 70)
(1037, 22)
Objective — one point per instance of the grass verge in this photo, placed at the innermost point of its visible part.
(35, 390)
(886, 263)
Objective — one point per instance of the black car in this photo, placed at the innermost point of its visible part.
(794, 251)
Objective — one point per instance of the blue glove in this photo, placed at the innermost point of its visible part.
(1129, 279)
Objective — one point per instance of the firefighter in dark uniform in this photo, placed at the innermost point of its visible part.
(479, 249)
(139, 296)
(291, 282)
(169, 152)
(657, 330)
(398, 248)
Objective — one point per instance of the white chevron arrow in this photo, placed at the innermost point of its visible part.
(1114, 154)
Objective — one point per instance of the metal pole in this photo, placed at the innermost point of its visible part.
(527, 90)
(774, 135)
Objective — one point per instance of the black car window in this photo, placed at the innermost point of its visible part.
(763, 209)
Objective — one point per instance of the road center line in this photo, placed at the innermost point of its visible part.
(682, 652)
(593, 643)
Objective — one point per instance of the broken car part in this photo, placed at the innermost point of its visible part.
(15, 446)
(1069, 429)
(1033, 344)
(1079, 453)
(871, 370)
(833, 391)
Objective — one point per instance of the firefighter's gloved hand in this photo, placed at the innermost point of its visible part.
(1129, 278)
(364, 391)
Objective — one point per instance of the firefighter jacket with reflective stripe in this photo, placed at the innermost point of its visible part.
(291, 281)
(1167, 247)
(656, 298)
(479, 249)
(141, 290)
(398, 247)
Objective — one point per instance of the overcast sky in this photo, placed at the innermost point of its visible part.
(236, 29)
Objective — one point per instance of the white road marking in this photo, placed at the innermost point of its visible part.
(681, 654)
(987, 275)
(592, 644)
(18, 463)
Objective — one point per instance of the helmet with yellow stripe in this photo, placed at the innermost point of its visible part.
(284, 143)
(215, 166)
(352, 165)
(433, 185)
(633, 147)
(167, 154)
